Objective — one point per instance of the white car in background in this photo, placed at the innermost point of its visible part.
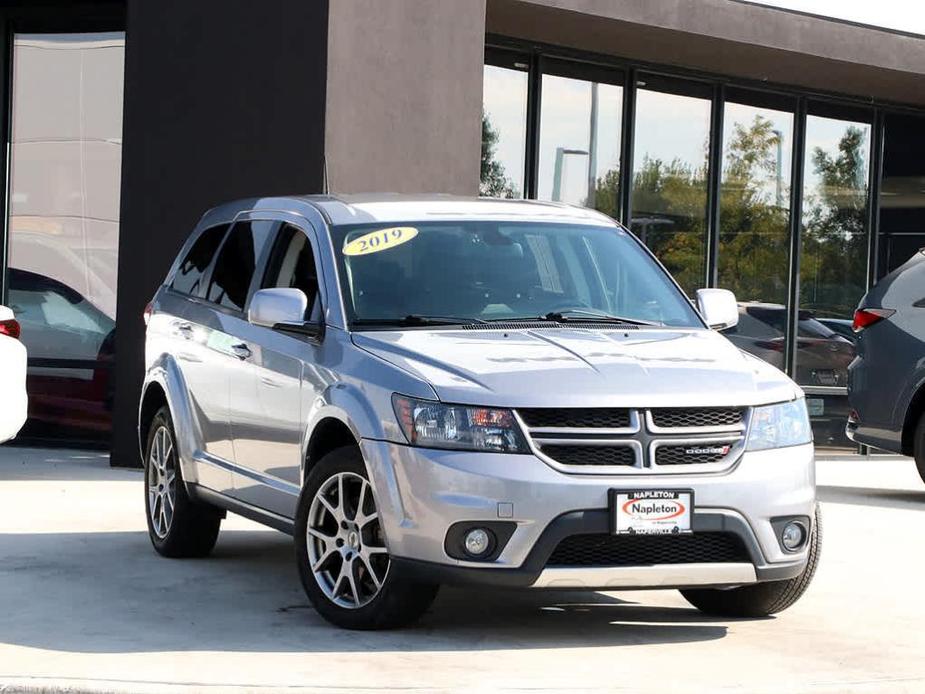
(12, 377)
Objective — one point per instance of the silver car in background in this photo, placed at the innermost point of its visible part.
(439, 390)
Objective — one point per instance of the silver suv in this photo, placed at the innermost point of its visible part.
(437, 390)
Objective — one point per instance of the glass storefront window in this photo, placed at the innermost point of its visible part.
(580, 128)
(833, 264)
(670, 179)
(902, 191)
(754, 235)
(65, 175)
(504, 130)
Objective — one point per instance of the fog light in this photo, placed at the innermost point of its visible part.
(793, 536)
(478, 542)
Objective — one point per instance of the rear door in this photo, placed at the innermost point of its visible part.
(212, 326)
(267, 418)
(186, 333)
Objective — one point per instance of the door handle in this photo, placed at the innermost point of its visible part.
(241, 351)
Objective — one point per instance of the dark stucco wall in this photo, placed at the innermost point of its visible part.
(223, 99)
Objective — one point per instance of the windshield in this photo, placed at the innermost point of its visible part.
(475, 271)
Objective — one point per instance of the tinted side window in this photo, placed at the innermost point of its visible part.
(234, 268)
(292, 266)
(189, 275)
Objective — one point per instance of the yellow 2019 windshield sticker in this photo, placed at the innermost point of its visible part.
(380, 240)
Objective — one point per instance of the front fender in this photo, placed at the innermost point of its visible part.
(166, 373)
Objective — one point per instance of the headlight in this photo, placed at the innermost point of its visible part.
(777, 426)
(435, 425)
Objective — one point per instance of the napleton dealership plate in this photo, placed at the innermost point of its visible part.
(652, 511)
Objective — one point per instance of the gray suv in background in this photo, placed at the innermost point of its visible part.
(886, 380)
(440, 390)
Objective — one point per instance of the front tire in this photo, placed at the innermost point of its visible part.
(341, 553)
(919, 447)
(760, 599)
(178, 526)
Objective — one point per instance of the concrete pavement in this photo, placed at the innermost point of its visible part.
(86, 605)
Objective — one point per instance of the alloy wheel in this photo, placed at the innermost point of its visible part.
(162, 482)
(346, 547)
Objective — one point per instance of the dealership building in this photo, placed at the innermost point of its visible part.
(777, 154)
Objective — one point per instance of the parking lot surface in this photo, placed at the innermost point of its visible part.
(86, 605)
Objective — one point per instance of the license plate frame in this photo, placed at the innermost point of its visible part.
(621, 518)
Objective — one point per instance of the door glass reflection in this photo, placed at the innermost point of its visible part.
(579, 158)
(504, 132)
(66, 155)
(754, 238)
(670, 175)
(833, 265)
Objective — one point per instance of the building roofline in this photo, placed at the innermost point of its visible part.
(835, 20)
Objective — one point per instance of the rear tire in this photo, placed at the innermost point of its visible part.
(760, 599)
(919, 447)
(178, 526)
(341, 553)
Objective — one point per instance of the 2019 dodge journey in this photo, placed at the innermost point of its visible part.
(439, 390)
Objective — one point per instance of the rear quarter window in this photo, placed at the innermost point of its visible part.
(189, 276)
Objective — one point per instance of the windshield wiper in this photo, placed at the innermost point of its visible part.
(417, 319)
(580, 315)
(583, 316)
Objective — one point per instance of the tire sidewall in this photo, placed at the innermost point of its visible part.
(347, 459)
(919, 447)
(162, 418)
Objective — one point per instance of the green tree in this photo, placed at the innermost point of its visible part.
(493, 181)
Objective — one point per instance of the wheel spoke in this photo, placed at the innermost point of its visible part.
(330, 507)
(341, 506)
(328, 553)
(369, 569)
(359, 513)
(351, 580)
(169, 499)
(169, 449)
(169, 478)
(375, 550)
(314, 532)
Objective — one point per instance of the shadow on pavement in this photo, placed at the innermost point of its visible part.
(109, 593)
(49, 464)
(867, 496)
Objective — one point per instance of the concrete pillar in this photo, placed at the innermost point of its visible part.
(404, 95)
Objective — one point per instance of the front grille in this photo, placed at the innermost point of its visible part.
(575, 417)
(590, 455)
(677, 418)
(691, 453)
(646, 550)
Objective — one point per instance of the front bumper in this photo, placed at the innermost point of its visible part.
(422, 492)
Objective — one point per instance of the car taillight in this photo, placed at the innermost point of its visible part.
(149, 309)
(866, 317)
(10, 328)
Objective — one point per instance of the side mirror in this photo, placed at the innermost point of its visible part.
(282, 309)
(718, 308)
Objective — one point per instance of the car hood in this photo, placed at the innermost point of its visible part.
(576, 367)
